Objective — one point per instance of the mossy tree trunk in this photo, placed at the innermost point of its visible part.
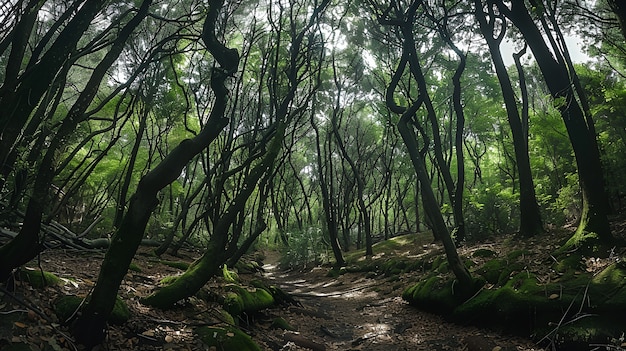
(206, 266)
(220, 246)
(580, 130)
(89, 328)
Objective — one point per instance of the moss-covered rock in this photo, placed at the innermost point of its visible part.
(239, 299)
(38, 279)
(491, 270)
(279, 295)
(226, 338)
(434, 294)
(66, 306)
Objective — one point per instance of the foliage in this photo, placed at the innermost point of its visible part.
(305, 248)
(490, 211)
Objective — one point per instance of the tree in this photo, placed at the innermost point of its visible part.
(90, 327)
(26, 245)
(530, 217)
(405, 24)
(580, 129)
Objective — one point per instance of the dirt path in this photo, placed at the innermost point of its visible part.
(358, 312)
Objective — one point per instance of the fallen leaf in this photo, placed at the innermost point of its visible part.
(20, 325)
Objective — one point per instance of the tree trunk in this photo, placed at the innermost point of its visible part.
(26, 245)
(530, 216)
(89, 328)
(205, 267)
(467, 285)
(594, 214)
(466, 281)
(329, 210)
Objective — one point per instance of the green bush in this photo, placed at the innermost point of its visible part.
(305, 247)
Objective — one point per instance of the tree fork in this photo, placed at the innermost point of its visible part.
(89, 328)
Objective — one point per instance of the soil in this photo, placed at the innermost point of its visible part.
(354, 311)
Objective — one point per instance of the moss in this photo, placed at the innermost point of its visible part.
(226, 317)
(38, 279)
(491, 270)
(65, 306)
(586, 243)
(226, 339)
(239, 300)
(508, 271)
(434, 294)
(183, 266)
(168, 280)
(229, 276)
(515, 254)
(579, 334)
(572, 261)
(415, 265)
(484, 253)
(610, 285)
(394, 266)
(613, 274)
(280, 296)
(280, 323)
(134, 267)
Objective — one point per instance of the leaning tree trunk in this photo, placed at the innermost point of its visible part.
(594, 214)
(25, 246)
(89, 328)
(206, 266)
(466, 282)
(467, 285)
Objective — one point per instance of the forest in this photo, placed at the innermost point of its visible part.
(312, 175)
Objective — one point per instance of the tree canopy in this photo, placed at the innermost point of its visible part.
(317, 127)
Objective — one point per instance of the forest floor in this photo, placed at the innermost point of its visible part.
(352, 311)
(359, 311)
